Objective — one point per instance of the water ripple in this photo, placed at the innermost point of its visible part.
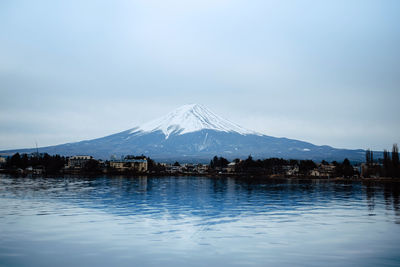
(171, 220)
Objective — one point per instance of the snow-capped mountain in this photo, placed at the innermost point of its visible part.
(192, 133)
(188, 119)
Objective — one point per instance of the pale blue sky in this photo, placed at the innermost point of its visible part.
(327, 72)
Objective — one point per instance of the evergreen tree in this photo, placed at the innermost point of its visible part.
(347, 169)
(387, 164)
(218, 163)
(372, 157)
(224, 162)
(306, 166)
(214, 162)
(24, 161)
(395, 161)
(367, 157)
(14, 161)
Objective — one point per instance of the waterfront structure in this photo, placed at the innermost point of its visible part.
(136, 165)
(326, 170)
(173, 169)
(371, 170)
(291, 170)
(78, 162)
(2, 161)
(189, 168)
(323, 170)
(201, 168)
(231, 167)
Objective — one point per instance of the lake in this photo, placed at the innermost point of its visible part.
(197, 221)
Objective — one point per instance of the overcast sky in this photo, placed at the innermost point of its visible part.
(327, 72)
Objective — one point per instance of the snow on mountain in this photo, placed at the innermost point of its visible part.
(188, 119)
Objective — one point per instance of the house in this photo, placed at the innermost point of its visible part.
(201, 168)
(173, 169)
(190, 168)
(38, 170)
(291, 170)
(35, 170)
(323, 170)
(326, 170)
(370, 170)
(3, 161)
(78, 162)
(231, 167)
(135, 165)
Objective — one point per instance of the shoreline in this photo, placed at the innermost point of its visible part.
(208, 175)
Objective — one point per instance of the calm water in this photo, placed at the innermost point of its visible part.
(197, 221)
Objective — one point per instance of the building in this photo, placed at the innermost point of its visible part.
(35, 170)
(315, 173)
(2, 161)
(290, 170)
(173, 169)
(326, 170)
(231, 167)
(370, 170)
(189, 168)
(135, 165)
(201, 168)
(78, 162)
(323, 170)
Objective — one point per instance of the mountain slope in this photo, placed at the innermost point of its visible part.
(192, 133)
(188, 119)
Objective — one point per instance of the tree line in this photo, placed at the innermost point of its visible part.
(388, 166)
(278, 166)
(51, 164)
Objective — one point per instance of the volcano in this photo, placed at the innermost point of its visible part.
(193, 133)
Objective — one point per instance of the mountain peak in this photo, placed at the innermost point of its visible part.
(190, 118)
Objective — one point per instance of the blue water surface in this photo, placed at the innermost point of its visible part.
(197, 221)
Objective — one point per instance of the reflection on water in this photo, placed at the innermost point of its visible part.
(391, 194)
(197, 221)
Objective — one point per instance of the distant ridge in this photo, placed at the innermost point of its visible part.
(193, 133)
